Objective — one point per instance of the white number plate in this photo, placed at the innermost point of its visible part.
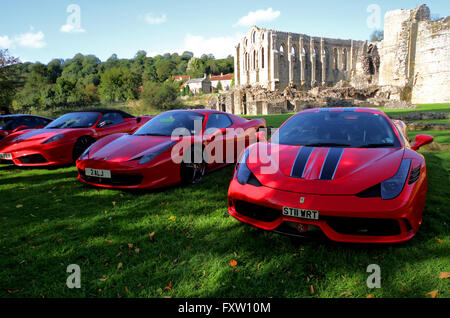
(5, 156)
(98, 173)
(300, 213)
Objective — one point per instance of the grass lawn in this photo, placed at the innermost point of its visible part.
(179, 243)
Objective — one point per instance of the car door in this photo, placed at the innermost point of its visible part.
(112, 123)
(216, 122)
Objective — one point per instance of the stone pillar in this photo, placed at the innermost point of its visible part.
(290, 60)
(302, 61)
(237, 66)
(276, 61)
(313, 62)
(323, 58)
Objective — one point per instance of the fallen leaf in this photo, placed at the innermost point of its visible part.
(114, 203)
(150, 235)
(370, 296)
(172, 218)
(439, 240)
(259, 265)
(433, 294)
(119, 266)
(60, 240)
(127, 290)
(233, 263)
(312, 289)
(19, 206)
(168, 287)
(136, 250)
(444, 275)
(130, 246)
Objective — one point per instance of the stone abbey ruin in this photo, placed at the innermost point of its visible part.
(278, 72)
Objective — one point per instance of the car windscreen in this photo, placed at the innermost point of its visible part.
(179, 122)
(8, 123)
(74, 120)
(337, 129)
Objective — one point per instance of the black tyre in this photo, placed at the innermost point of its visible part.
(80, 146)
(192, 172)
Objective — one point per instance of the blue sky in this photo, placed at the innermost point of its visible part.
(39, 30)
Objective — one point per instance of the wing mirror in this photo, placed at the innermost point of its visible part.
(105, 123)
(261, 136)
(218, 132)
(20, 128)
(422, 140)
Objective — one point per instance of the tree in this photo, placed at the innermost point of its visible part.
(160, 95)
(9, 78)
(195, 68)
(377, 35)
(119, 84)
(164, 69)
(219, 86)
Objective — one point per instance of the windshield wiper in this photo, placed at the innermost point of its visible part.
(379, 145)
(327, 144)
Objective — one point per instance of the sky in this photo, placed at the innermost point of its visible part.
(41, 30)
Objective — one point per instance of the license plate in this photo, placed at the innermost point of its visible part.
(5, 156)
(98, 173)
(300, 213)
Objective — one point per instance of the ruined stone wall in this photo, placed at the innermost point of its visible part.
(432, 63)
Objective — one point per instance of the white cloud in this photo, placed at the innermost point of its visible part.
(30, 39)
(5, 42)
(152, 19)
(254, 17)
(220, 46)
(71, 28)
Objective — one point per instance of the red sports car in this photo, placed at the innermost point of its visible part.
(175, 146)
(64, 140)
(348, 174)
(12, 123)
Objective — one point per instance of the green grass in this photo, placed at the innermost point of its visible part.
(49, 220)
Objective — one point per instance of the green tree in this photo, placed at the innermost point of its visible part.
(219, 86)
(195, 68)
(9, 78)
(119, 84)
(164, 69)
(160, 95)
(377, 35)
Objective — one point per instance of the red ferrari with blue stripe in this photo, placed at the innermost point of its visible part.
(62, 141)
(348, 174)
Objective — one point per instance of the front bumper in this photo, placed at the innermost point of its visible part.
(41, 155)
(130, 174)
(342, 218)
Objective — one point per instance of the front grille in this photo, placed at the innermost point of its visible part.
(363, 226)
(32, 159)
(285, 229)
(414, 176)
(257, 212)
(115, 180)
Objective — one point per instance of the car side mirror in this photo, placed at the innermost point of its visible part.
(218, 132)
(105, 123)
(261, 136)
(20, 128)
(138, 120)
(422, 140)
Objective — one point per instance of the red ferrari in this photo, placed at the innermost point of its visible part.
(175, 146)
(348, 174)
(13, 123)
(64, 140)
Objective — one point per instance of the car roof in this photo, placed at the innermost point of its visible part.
(23, 115)
(344, 109)
(104, 111)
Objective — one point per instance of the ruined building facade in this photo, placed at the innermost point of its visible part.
(411, 64)
(276, 60)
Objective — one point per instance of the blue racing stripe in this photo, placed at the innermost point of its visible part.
(300, 162)
(331, 163)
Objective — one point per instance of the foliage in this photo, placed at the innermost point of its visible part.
(377, 36)
(9, 78)
(160, 95)
(85, 80)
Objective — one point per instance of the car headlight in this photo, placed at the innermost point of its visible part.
(243, 172)
(151, 156)
(85, 153)
(54, 138)
(392, 187)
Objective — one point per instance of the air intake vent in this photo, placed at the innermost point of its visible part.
(414, 176)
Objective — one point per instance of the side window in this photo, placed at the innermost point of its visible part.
(216, 121)
(110, 119)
